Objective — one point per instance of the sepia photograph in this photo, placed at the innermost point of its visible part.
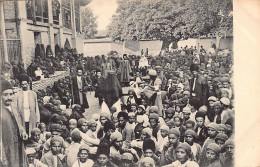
(118, 83)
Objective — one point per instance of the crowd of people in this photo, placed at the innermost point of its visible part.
(178, 112)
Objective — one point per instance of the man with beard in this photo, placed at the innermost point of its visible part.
(27, 105)
(125, 128)
(198, 85)
(79, 88)
(154, 123)
(13, 133)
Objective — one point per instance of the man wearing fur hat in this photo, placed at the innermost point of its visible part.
(27, 105)
(13, 132)
(79, 88)
(198, 85)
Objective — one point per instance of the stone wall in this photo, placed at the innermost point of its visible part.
(42, 84)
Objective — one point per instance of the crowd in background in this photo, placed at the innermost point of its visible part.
(178, 112)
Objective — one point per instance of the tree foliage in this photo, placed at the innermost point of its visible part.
(89, 23)
(170, 20)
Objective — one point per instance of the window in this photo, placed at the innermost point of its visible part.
(37, 10)
(55, 11)
(66, 13)
(77, 15)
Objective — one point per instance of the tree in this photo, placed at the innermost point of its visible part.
(89, 23)
(168, 20)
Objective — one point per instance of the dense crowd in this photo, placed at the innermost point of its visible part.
(178, 112)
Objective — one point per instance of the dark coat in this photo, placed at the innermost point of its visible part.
(13, 153)
(97, 84)
(200, 90)
(202, 135)
(76, 98)
(111, 89)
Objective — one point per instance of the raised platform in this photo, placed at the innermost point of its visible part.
(43, 83)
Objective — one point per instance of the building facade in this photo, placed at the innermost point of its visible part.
(25, 23)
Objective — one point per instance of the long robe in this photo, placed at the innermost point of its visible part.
(77, 93)
(34, 109)
(13, 154)
(125, 70)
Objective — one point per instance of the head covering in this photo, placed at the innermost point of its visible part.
(109, 125)
(213, 125)
(164, 127)
(203, 109)
(174, 131)
(30, 150)
(229, 142)
(222, 126)
(75, 136)
(186, 92)
(113, 109)
(56, 139)
(148, 160)
(5, 85)
(84, 147)
(141, 106)
(92, 121)
(200, 114)
(154, 109)
(105, 114)
(127, 156)
(81, 121)
(190, 122)
(221, 136)
(194, 67)
(170, 110)
(116, 135)
(225, 101)
(154, 116)
(149, 144)
(190, 132)
(122, 114)
(56, 127)
(148, 131)
(186, 110)
(186, 147)
(72, 121)
(35, 130)
(24, 77)
(103, 148)
(213, 146)
(152, 73)
(224, 90)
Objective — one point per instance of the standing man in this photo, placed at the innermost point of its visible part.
(97, 81)
(198, 85)
(13, 133)
(125, 70)
(27, 105)
(79, 88)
